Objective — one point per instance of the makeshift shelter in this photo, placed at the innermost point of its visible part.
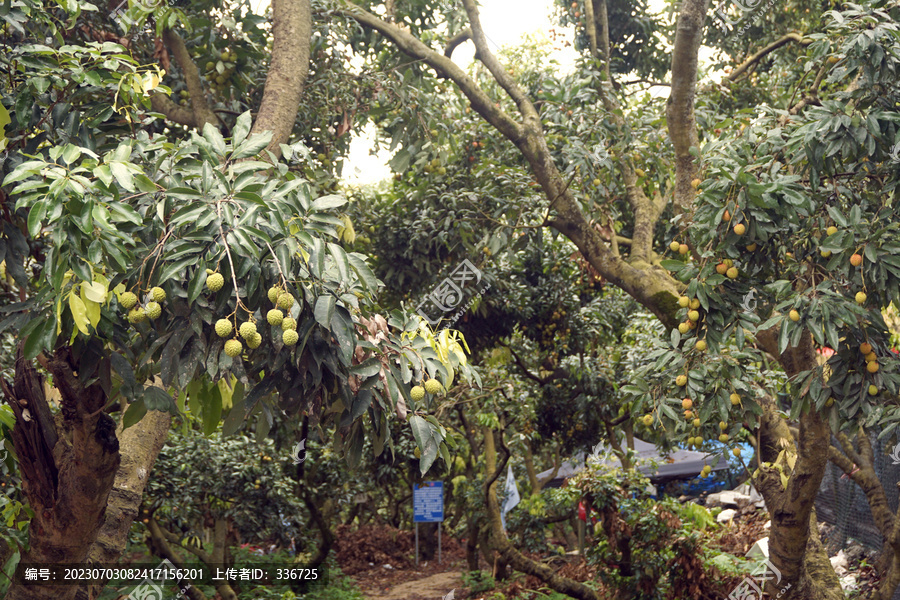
(675, 464)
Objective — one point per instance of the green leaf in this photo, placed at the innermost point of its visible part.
(215, 139)
(342, 327)
(672, 265)
(123, 213)
(241, 128)
(369, 367)
(157, 398)
(195, 287)
(340, 259)
(365, 274)
(330, 201)
(41, 338)
(36, 217)
(135, 412)
(253, 145)
(123, 175)
(428, 447)
(324, 310)
(355, 445)
(211, 410)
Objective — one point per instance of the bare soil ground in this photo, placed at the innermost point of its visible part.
(381, 560)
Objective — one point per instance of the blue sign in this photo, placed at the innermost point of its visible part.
(428, 502)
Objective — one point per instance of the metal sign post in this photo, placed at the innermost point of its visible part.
(428, 507)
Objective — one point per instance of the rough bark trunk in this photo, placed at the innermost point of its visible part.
(68, 466)
(200, 113)
(793, 540)
(501, 543)
(139, 445)
(291, 30)
(490, 463)
(680, 107)
(536, 484)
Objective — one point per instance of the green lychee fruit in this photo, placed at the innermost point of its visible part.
(290, 337)
(433, 386)
(417, 393)
(223, 327)
(273, 294)
(247, 330)
(233, 348)
(158, 294)
(274, 317)
(128, 300)
(215, 282)
(136, 315)
(285, 301)
(289, 323)
(254, 341)
(153, 310)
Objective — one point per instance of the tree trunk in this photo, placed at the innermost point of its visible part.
(472, 544)
(501, 543)
(68, 466)
(291, 30)
(793, 539)
(139, 445)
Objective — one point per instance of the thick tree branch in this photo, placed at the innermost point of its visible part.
(513, 557)
(408, 44)
(680, 107)
(591, 27)
(67, 485)
(456, 40)
(200, 114)
(791, 507)
(596, 14)
(523, 103)
(526, 371)
(759, 55)
(863, 474)
(652, 287)
(291, 31)
(140, 444)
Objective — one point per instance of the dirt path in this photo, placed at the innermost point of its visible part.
(434, 587)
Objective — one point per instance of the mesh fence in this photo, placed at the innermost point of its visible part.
(842, 504)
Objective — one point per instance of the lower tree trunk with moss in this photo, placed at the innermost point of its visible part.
(501, 543)
(794, 547)
(68, 465)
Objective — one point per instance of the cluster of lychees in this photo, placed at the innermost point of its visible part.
(224, 328)
(151, 310)
(432, 386)
(282, 301)
(247, 330)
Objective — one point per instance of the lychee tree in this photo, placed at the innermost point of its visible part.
(154, 261)
(800, 135)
